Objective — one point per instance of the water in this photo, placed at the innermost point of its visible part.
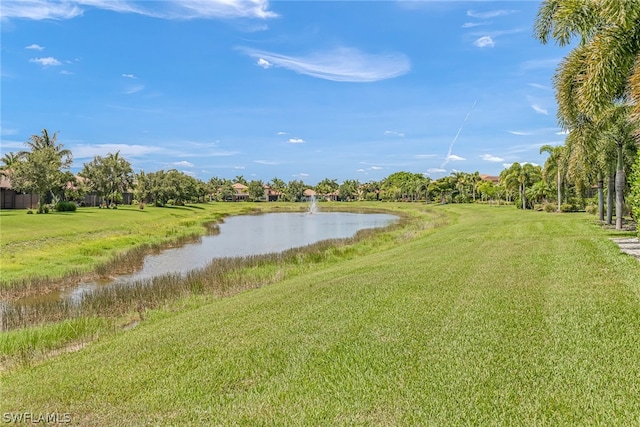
(242, 236)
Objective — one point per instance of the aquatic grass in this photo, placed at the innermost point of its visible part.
(24, 346)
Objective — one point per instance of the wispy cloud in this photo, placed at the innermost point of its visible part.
(475, 24)
(484, 41)
(129, 76)
(282, 133)
(393, 133)
(517, 132)
(266, 162)
(491, 158)
(490, 14)
(134, 89)
(126, 150)
(296, 141)
(168, 9)
(436, 170)
(261, 62)
(539, 86)
(539, 109)
(34, 47)
(376, 168)
(453, 157)
(301, 175)
(341, 65)
(183, 164)
(46, 62)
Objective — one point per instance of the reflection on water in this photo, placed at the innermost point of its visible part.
(240, 236)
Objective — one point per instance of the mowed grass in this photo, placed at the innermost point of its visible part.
(503, 317)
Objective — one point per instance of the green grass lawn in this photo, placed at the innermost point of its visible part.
(503, 317)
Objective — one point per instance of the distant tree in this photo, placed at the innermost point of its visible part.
(555, 166)
(40, 171)
(241, 180)
(256, 190)
(295, 190)
(349, 190)
(327, 186)
(109, 177)
(8, 160)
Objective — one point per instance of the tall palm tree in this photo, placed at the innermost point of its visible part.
(555, 164)
(8, 160)
(602, 74)
(605, 66)
(37, 142)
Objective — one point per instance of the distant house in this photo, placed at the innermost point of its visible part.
(270, 195)
(492, 178)
(11, 199)
(309, 193)
(241, 193)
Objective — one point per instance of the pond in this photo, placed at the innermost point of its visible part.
(239, 236)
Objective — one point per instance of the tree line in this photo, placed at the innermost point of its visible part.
(43, 170)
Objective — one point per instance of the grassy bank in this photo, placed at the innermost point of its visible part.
(503, 317)
(36, 251)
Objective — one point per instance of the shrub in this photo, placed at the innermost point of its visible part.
(567, 207)
(66, 207)
(29, 212)
(550, 207)
(591, 209)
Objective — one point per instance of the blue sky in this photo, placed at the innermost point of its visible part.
(289, 89)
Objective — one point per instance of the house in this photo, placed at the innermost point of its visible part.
(11, 199)
(270, 195)
(241, 192)
(492, 178)
(309, 194)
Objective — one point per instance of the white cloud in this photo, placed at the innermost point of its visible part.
(34, 47)
(301, 175)
(489, 14)
(539, 109)
(491, 158)
(520, 133)
(129, 76)
(361, 170)
(393, 133)
(436, 170)
(340, 65)
(264, 63)
(474, 24)
(46, 62)
(183, 164)
(266, 162)
(134, 89)
(238, 167)
(539, 86)
(168, 9)
(563, 132)
(455, 158)
(89, 151)
(296, 141)
(376, 168)
(282, 133)
(484, 41)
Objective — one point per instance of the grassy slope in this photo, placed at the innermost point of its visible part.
(504, 317)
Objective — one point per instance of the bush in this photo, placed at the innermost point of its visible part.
(567, 207)
(66, 207)
(550, 207)
(591, 209)
(29, 212)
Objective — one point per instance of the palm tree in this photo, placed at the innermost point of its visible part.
(38, 142)
(520, 177)
(602, 74)
(606, 65)
(555, 164)
(9, 159)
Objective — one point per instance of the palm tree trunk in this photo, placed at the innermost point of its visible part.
(620, 182)
(600, 197)
(611, 188)
(559, 190)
